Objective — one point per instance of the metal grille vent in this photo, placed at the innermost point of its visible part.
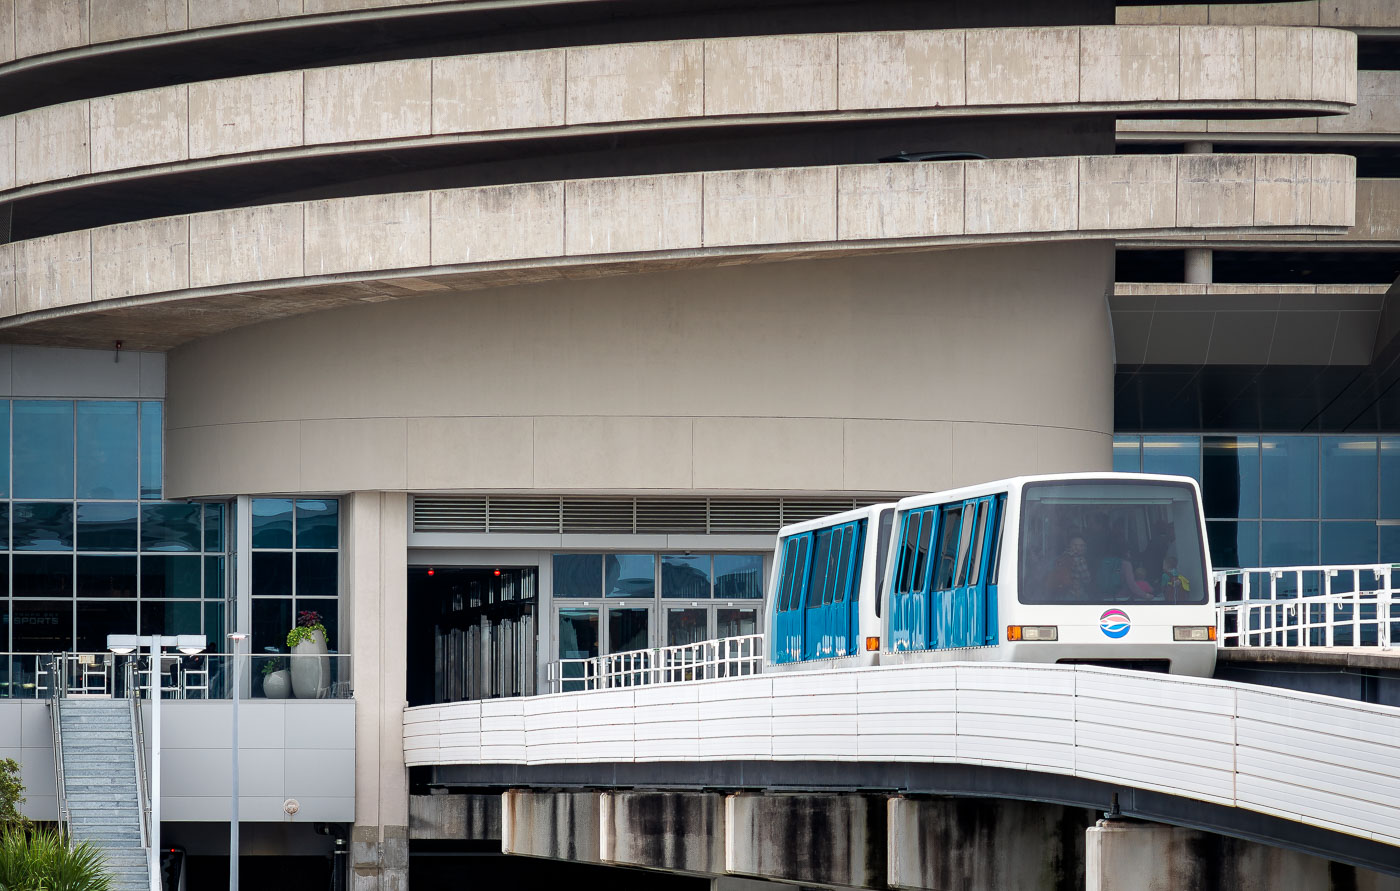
(522, 514)
(798, 511)
(598, 515)
(671, 515)
(734, 515)
(449, 514)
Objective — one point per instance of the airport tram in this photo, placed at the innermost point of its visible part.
(1103, 569)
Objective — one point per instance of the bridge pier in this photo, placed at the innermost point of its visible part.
(1127, 855)
(821, 839)
(676, 831)
(558, 825)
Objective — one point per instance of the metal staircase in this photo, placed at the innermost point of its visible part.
(101, 793)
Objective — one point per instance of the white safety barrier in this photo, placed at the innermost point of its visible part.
(1316, 760)
(725, 657)
(1308, 606)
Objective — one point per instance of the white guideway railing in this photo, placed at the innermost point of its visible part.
(1308, 606)
(725, 657)
(1311, 759)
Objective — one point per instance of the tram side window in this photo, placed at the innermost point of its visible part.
(841, 584)
(908, 552)
(794, 581)
(882, 547)
(973, 562)
(996, 542)
(947, 549)
(816, 579)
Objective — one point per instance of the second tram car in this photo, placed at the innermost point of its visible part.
(1107, 569)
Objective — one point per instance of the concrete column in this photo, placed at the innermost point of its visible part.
(558, 825)
(974, 844)
(678, 831)
(1200, 262)
(375, 566)
(1126, 855)
(817, 839)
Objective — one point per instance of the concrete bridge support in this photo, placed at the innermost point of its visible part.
(675, 831)
(558, 825)
(1125, 855)
(816, 839)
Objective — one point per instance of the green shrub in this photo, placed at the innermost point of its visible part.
(11, 795)
(38, 860)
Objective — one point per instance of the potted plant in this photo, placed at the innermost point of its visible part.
(277, 681)
(310, 665)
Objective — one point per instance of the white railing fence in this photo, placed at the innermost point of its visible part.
(1308, 606)
(725, 657)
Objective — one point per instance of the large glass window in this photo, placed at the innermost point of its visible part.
(1172, 455)
(684, 576)
(1349, 477)
(738, 577)
(1230, 476)
(108, 450)
(295, 567)
(629, 575)
(43, 447)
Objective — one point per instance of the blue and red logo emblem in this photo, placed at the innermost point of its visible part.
(1114, 623)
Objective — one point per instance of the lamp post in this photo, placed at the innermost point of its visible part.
(190, 645)
(237, 640)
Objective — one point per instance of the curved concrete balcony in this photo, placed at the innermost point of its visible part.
(1145, 72)
(233, 267)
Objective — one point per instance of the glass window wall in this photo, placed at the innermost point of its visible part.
(295, 568)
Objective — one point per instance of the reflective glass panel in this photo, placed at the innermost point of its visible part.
(317, 574)
(99, 618)
(42, 626)
(1390, 544)
(170, 576)
(686, 625)
(629, 575)
(107, 526)
(627, 628)
(1233, 545)
(578, 633)
(43, 526)
(170, 527)
(326, 614)
(4, 453)
(1349, 477)
(738, 577)
(272, 522)
(1390, 477)
(4, 534)
(1353, 542)
(214, 628)
(107, 450)
(42, 575)
(213, 578)
(578, 575)
(1288, 544)
(272, 619)
(318, 523)
(272, 574)
(1127, 454)
(171, 617)
(1230, 476)
(43, 445)
(107, 577)
(1289, 477)
(151, 450)
(1176, 455)
(735, 622)
(685, 576)
(213, 527)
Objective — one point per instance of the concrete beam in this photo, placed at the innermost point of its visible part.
(817, 839)
(674, 831)
(558, 825)
(470, 817)
(1125, 855)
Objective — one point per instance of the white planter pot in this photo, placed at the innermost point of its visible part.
(277, 684)
(311, 668)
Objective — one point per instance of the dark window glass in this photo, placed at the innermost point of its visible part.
(43, 526)
(1288, 544)
(908, 553)
(163, 576)
(42, 575)
(1230, 477)
(107, 577)
(685, 625)
(43, 444)
(1390, 477)
(214, 628)
(1390, 544)
(318, 523)
(214, 527)
(882, 548)
(974, 575)
(1127, 454)
(213, 578)
(1289, 477)
(627, 628)
(317, 574)
(738, 577)
(99, 618)
(947, 550)
(272, 523)
(964, 548)
(1233, 545)
(326, 613)
(921, 549)
(996, 540)
(578, 633)
(107, 526)
(836, 590)
(804, 545)
(4, 454)
(1174, 455)
(272, 575)
(171, 617)
(272, 619)
(735, 622)
(685, 577)
(42, 626)
(578, 575)
(151, 451)
(4, 530)
(789, 572)
(170, 527)
(1344, 543)
(107, 450)
(1349, 477)
(821, 566)
(629, 575)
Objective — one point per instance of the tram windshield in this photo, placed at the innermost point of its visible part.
(1111, 541)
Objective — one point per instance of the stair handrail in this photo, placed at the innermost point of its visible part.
(138, 736)
(55, 719)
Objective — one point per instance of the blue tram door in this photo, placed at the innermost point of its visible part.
(826, 616)
(909, 600)
(787, 607)
(968, 597)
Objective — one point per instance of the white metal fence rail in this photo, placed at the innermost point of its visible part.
(725, 657)
(1308, 606)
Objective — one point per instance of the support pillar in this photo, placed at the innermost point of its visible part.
(558, 825)
(676, 831)
(811, 839)
(376, 602)
(1200, 262)
(1126, 855)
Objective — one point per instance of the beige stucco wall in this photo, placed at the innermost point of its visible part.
(887, 373)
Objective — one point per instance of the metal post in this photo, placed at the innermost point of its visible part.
(154, 864)
(237, 689)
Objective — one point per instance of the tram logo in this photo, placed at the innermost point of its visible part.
(1114, 623)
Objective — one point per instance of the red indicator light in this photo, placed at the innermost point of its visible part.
(498, 572)
(431, 571)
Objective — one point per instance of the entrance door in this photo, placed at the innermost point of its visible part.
(787, 613)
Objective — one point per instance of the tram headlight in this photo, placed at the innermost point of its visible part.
(1193, 632)
(1032, 632)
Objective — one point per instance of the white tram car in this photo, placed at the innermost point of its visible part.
(1099, 568)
